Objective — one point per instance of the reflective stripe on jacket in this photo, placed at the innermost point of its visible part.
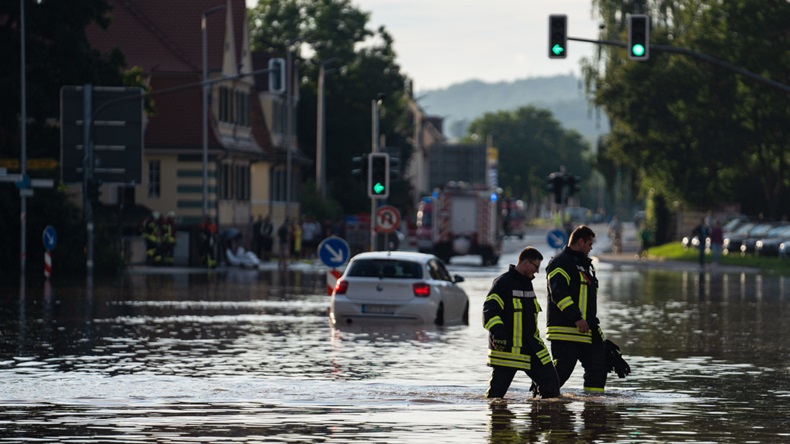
(511, 308)
(573, 295)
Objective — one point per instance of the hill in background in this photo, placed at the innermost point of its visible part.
(461, 103)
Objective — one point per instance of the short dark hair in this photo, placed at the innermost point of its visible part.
(581, 232)
(529, 253)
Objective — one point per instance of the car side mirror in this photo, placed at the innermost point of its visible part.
(458, 278)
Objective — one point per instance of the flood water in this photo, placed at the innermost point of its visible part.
(249, 356)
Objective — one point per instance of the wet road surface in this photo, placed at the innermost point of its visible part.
(249, 356)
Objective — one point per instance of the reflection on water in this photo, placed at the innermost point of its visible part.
(249, 356)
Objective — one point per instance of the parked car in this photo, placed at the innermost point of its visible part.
(769, 246)
(779, 232)
(398, 286)
(732, 241)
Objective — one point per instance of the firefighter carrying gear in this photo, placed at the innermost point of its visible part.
(615, 361)
(572, 296)
(510, 314)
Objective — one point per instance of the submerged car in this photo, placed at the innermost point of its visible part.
(398, 286)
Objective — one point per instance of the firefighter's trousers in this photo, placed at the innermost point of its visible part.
(544, 376)
(592, 357)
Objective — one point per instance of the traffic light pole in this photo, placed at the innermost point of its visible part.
(699, 56)
(374, 149)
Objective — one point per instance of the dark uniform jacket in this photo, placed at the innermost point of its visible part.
(573, 295)
(510, 313)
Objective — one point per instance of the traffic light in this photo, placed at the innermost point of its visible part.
(574, 184)
(277, 76)
(360, 169)
(394, 167)
(555, 183)
(378, 175)
(94, 189)
(558, 36)
(638, 37)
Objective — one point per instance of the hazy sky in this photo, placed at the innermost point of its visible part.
(442, 42)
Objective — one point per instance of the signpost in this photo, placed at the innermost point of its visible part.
(557, 238)
(387, 219)
(333, 252)
(50, 238)
(116, 134)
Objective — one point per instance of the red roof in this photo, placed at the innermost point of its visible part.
(164, 38)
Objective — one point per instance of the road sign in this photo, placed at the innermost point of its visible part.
(333, 251)
(50, 238)
(387, 219)
(117, 134)
(331, 280)
(557, 238)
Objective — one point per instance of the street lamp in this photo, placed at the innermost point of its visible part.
(205, 14)
(375, 104)
(320, 155)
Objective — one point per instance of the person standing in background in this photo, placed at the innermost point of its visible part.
(716, 242)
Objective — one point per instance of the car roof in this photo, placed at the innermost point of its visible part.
(394, 255)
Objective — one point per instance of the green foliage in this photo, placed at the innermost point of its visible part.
(675, 251)
(364, 65)
(699, 133)
(532, 144)
(57, 54)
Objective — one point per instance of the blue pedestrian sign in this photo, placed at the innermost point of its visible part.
(50, 238)
(557, 238)
(333, 251)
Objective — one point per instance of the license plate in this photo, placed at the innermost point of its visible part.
(378, 309)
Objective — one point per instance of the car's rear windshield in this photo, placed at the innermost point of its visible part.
(385, 268)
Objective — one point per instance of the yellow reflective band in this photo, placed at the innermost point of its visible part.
(495, 297)
(583, 298)
(518, 324)
(565, 303)
(537, 308)
(492, 322)
(560, 271)
(594, 389)
(507, 359)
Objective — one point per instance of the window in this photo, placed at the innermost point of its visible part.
(386, 269)
(438, 271)
(278, 185)
(154, 178)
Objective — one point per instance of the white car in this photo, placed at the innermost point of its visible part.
(400, 286)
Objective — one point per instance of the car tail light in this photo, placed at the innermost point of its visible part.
(341, 287)
(421, 290)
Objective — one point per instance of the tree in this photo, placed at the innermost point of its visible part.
(531, 144)
(57, 54)
(365, 66)
(694, 132)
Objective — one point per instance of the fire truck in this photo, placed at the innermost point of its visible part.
(460, 219)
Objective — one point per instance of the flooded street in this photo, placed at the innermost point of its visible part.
(249, 356)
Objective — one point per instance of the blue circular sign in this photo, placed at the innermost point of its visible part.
(557, 238)
(333, 251)
(50, 238)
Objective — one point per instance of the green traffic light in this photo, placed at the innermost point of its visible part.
(557, 49)
(638, 50)
(378, 188)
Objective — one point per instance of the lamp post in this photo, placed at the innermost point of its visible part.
(320, 155)
(375, 104)
(23, 150)
(205, 14)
